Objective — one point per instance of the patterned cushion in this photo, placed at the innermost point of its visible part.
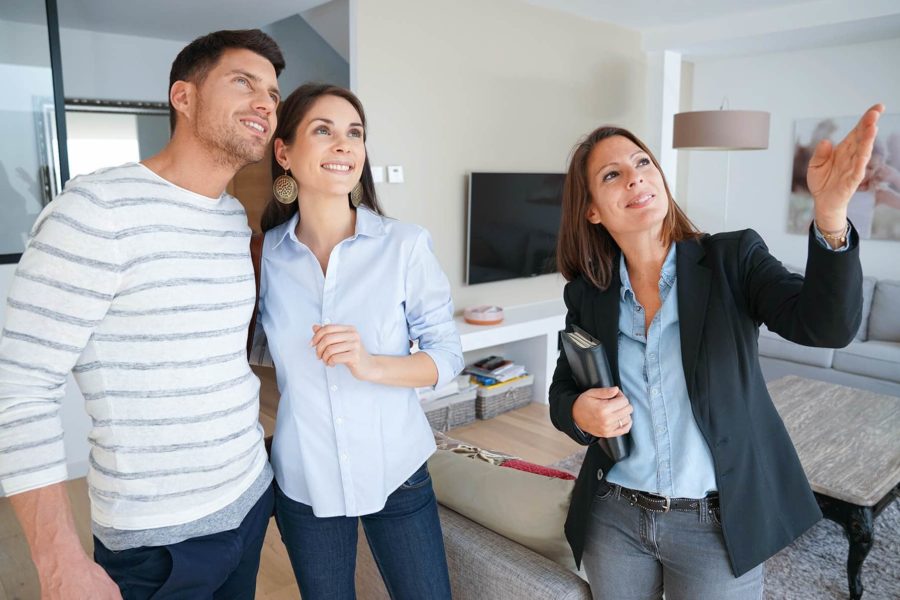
(523, 465)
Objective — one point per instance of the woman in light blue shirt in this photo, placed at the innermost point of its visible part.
(343, 292)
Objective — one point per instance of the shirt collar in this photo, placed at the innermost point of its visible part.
(667, 276)
(285, 229)
(367, 223)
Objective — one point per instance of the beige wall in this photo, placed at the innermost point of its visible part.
(452, 86)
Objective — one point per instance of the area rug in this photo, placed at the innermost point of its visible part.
(814, 566)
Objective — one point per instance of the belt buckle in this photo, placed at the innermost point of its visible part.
(668, 504)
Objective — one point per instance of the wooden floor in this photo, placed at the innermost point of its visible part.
(526, 432)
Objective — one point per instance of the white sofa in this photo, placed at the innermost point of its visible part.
(871, 361)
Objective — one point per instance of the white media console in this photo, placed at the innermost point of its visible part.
(528, 335)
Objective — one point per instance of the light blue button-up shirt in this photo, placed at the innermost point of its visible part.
(343, 445)
(668, 455)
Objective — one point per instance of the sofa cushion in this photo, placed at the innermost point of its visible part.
(884, 319)
(774, 346)
(873, 359)
(493, 497)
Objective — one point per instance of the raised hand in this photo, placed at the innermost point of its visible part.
(835, 172)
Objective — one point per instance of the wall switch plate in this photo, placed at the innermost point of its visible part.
(378, 174)
(395, 174)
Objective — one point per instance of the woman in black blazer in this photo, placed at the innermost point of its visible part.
(712, 486)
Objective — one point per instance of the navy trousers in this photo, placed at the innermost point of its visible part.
(219, 566)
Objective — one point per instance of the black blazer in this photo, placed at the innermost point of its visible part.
(728, 284)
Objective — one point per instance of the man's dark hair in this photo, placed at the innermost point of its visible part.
(198, 58)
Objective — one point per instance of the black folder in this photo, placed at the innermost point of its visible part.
(590, 367)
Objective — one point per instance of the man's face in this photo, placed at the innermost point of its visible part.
(234, 114)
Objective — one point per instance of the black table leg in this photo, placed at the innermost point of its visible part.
(858, 524)
(860, 531)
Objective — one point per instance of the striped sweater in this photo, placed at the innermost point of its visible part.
(144, 291)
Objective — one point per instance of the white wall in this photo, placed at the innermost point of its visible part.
(823, 82)
(453, 86)
(97, 65)
(116, 67)
(308, 55)
(332, 21)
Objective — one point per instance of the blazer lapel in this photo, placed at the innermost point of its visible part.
(693, 296)
(606, 319)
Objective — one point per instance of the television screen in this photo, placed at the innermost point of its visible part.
(513, 224)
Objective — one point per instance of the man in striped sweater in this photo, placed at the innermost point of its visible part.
(138, 279)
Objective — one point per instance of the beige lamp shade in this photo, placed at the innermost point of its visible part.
(721, 130)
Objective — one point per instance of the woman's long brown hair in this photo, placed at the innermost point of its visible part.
(589, 250)
(292, 112)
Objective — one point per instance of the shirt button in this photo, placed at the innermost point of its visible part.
(326, 320)
(345, 457)
(339, 421)
(651, 356)
(654, 391)
(334, 388)
(661, 429)
(639, 309)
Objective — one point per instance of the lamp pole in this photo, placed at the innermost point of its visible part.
(727, 186)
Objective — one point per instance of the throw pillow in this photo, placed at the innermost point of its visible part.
(526, 508)
(884, 319)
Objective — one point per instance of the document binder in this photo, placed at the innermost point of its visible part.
(590, 367)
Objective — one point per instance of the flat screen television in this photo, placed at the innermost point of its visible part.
(513, 221)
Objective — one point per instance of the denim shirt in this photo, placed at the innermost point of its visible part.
(668, 454)
(343, 445)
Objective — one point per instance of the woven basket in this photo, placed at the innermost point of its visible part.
(499, 398)
(451, 411)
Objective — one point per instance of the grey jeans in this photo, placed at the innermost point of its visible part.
(635, 554)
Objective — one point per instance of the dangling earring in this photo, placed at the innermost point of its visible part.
(356, 194)
(284, 188)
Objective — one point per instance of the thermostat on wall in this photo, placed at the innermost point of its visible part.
(483, 315)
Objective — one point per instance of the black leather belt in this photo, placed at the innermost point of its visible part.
(660, 503)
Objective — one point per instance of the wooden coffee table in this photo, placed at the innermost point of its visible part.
(847, 440)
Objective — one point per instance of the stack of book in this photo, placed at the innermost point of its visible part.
(493, 370)
(454, 386)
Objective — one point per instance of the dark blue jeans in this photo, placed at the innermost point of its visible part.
(222, 566)
(405, 538)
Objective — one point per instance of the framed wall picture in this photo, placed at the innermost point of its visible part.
(875, 207)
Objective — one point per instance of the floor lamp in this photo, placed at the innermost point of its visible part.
(722, 130)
